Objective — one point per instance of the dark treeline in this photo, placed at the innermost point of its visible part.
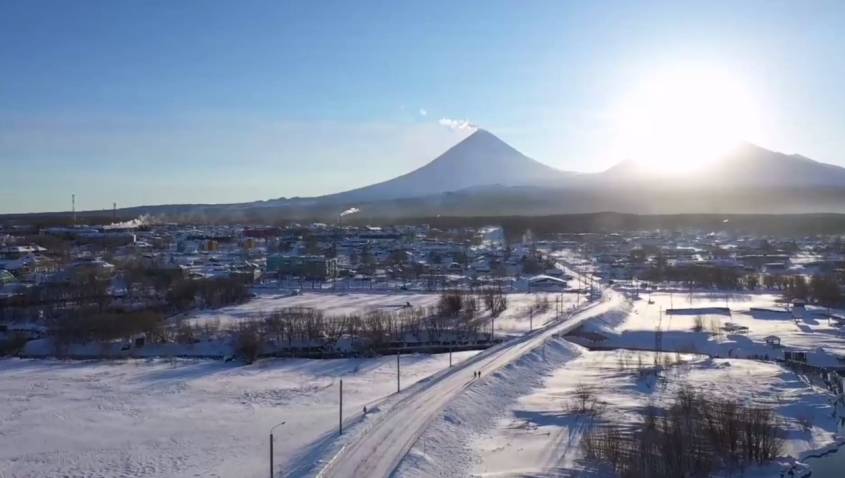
(515, 226)
(819, 289)
(822, 290)
(702, 277)
(158, 290)
(607, 222)
(696, 436)
(206, 293)
(93, 325)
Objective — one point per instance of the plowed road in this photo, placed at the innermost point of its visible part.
(379, 448)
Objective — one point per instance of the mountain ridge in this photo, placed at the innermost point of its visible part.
(483, 175)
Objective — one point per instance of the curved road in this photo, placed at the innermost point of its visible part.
(379, 448)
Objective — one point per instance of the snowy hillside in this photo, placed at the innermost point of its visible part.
(479, 160)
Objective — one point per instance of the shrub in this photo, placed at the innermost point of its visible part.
(13, 345)
(695, 436)
(585, 402)
(495, 300)
(248, 342)
(450, 303)
(87, 325)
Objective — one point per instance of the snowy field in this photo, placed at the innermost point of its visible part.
(515, 320)
(516, 422)
(330, 303)
(761, 314)
(181, 418)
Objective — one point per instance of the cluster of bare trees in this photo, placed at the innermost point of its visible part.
(698, 276)
(452, 320)
(458, 302)
(457, 317)
(541, 304)
(694, 437)
(82, 289)
(213, 292)
(87, 325)
(823, 290)
(585, 402)
(495, 300)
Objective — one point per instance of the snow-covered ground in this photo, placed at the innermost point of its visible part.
(376, 450)
(517, 319)
(330, 303)
(516, 422)
(181, 418)
(156, 418)
(811, 332)
(514, 320)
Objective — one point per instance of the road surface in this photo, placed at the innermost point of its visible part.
(379, 448)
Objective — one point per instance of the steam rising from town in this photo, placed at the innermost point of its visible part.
(143, 220)
(352, 210)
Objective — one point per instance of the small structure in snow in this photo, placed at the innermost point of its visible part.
(734, 328)
(795, 357)
(773, 341)
(546, 282)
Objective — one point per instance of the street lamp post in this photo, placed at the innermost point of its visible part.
(271, 446)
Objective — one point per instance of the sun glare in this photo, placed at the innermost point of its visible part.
(680, 119)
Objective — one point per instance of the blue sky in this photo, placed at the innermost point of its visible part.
(182, 101)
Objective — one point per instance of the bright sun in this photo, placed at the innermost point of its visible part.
(681, 118)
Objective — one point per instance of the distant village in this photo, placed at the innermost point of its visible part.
(637, 313)
(134, 280)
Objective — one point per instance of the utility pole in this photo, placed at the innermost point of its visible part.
(73, 207)
(450, 356)
(398, 388)
(340, 409)
(531, 320)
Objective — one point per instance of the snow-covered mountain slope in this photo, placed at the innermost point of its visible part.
(746, 165)
(751, 164)
(481, 159)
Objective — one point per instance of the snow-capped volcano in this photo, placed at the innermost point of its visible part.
(481, 159)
